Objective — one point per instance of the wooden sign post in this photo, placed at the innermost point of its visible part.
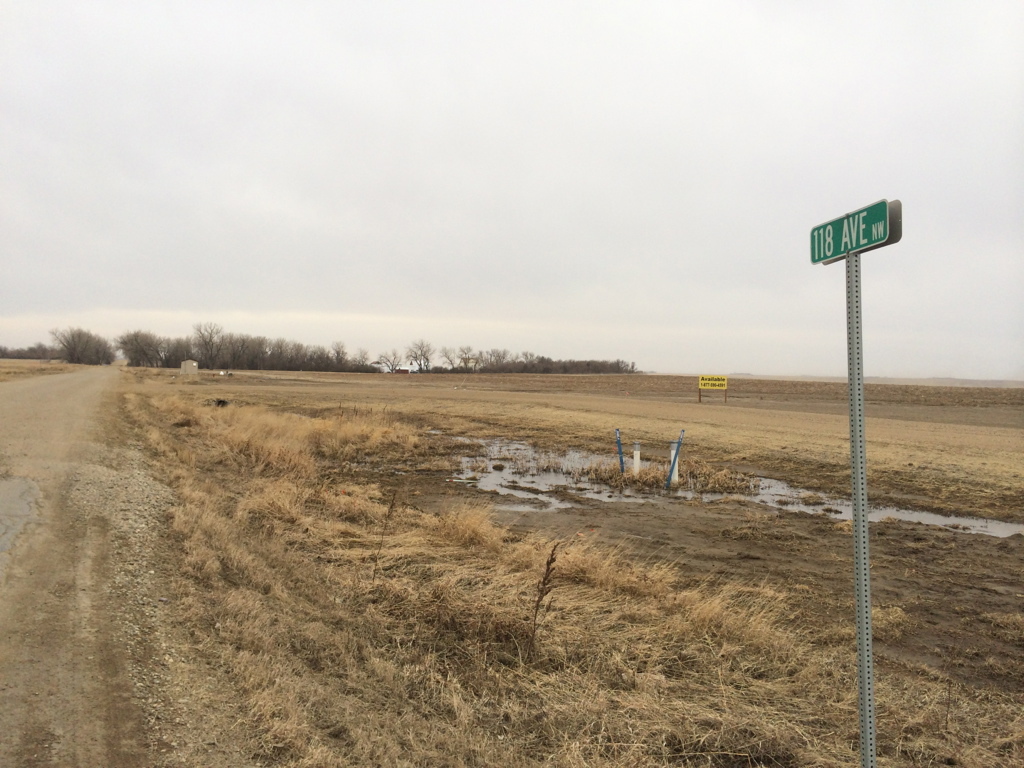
(713, 382)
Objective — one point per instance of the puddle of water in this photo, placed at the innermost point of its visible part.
(519, 471)
(775, 493)
(17, 507)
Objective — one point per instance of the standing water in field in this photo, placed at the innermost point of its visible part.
(17, 507)
(551, 481)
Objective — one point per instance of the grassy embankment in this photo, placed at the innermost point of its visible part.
(359, 631)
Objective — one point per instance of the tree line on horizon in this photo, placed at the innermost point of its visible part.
(212, 347)
(72, 345)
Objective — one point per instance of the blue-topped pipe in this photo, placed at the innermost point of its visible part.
(675, 459)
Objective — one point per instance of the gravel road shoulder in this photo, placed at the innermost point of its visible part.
(96, 668)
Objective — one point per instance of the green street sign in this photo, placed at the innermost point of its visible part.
(872, 227)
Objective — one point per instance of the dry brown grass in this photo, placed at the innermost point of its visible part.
(357, 630)
(890, 623)
(694, 475)
(12, 370)
(651, 476)
(759, 525)
(1009, 626)
(467, 524)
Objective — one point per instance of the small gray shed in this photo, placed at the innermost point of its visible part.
(189, 368)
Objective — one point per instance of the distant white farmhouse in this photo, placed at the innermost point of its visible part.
(189, 368)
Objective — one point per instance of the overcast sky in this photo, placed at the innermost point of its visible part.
(633, 180)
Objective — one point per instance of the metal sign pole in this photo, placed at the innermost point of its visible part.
(858, 472)
(877, 225)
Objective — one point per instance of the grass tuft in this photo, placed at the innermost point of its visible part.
(695, 475)
(468, 524)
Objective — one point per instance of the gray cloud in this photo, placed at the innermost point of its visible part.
(623, 181)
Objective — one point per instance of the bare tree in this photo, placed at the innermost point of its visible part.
(494, 357)
(340, 355)
(78, 345)
(256, 350)
(451, 356)
(234, 350)
(277, 354)
(296, 355)
(208, 339)
(37, 351)
(318, 358)
(467, 358)
(178, 349)
(390, 360)
(419, 353)
(142, 348)
(362, 357)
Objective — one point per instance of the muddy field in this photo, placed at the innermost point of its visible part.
(947, 604)
(450, 570)
(957, 451)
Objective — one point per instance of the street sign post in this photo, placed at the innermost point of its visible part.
(848, 237)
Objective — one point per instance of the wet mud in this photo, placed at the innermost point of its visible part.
(539, 480)
(18, 497)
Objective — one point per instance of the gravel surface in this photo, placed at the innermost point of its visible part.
(98, 667)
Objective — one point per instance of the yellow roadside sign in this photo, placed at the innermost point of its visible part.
(714, 382)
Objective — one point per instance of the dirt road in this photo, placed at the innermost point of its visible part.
(66, 697)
